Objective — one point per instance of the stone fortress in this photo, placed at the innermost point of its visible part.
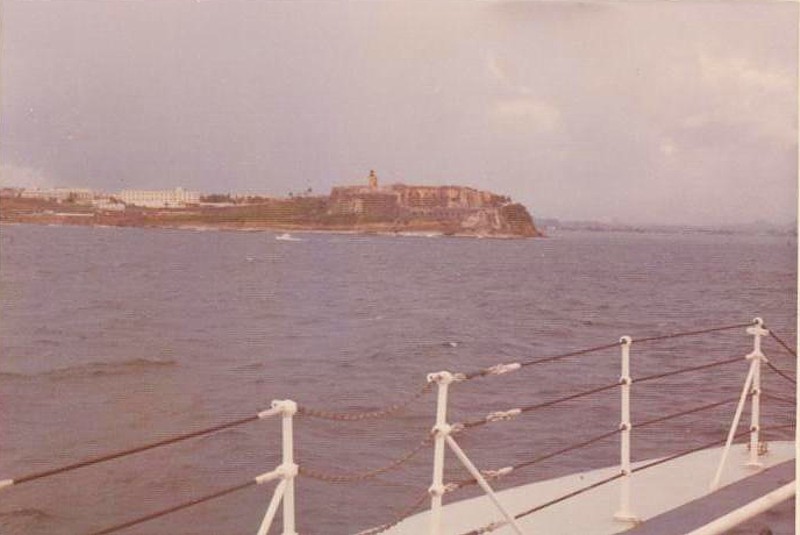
(457, 208)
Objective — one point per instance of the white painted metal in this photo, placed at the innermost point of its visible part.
(474, 472)
(724, 523)
(440, 430)
(757, 356)
(286, 472)
(275, 410)
(500, 369)
(287, 428)
(270, 476)
(742, 399)
(625, 512)
(500, 472)
(273, 508)
(498, 416)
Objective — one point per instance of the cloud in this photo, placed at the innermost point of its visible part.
(499, 72)
(21, 176)
(749, 95)
(742, 72)
(668, 147)
(527, 112)
(518, 106)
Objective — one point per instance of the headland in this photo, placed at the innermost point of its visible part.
(369, 208)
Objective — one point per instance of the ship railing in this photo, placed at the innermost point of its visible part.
(443, 437)
(625, 512)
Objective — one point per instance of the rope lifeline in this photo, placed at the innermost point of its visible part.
(542, 458)
(349, 478)
(684, 413)
(781, 373)
(685, 370)
(705, 446)
(488, 371)
(491, 370)
(131, 451)
(570, 495)
(689, 451)
(778, 398)
(598, 438)
(691, 333)
(367, 415)
(782, 343)
(579, 352)
(584, 393)
(175, 508)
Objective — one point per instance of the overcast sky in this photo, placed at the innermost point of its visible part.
(646, 112)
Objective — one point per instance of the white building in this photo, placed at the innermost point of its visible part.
(159, 198)
(59, 194)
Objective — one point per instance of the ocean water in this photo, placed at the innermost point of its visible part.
(111, 338)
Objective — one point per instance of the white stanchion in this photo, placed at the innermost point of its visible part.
(440, 430)
(625, 512)
(755, 362)
(757, 356)
(286, 472)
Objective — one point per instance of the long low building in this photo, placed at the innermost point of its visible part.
(58, 194)
(174, 198)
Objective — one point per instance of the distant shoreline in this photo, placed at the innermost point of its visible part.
(268, 230)
(300, 214)
(547, 232)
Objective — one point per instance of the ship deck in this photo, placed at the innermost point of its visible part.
(679, 487)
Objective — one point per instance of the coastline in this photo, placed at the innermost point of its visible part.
(272, 229)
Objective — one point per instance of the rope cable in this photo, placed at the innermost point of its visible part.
(489, 371)
(576, 353)
(782, 343)
(578, 395)
(131, 451)
(157, 514)
(545, 457)
(684, 412)
(691, 333)
(598, 438)
(705, 446)
(687, 452)
(778, 398)
(685, 370)
(781, 373)
(545, 404)
(531, 362)
(570, 495)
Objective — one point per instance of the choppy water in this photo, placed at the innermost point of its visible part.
(115, 337)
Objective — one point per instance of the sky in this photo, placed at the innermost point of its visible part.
(641, 112)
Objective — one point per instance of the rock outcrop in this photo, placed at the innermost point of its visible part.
(449, 209)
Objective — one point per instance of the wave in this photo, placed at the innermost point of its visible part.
(25, 513)
(12, 375)
(95, 369)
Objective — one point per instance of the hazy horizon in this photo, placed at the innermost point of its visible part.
(647, 112)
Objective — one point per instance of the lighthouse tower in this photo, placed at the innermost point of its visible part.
(373, 180)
